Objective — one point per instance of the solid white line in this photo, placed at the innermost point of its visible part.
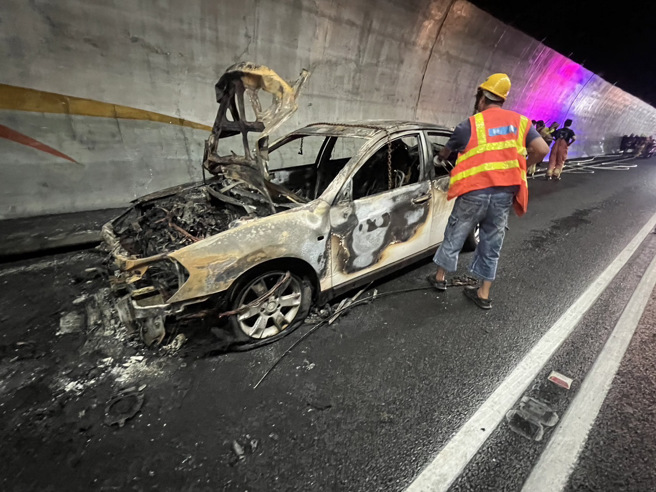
(552, 470)
(456, 454)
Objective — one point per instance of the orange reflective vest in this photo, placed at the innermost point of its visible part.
(494, 156)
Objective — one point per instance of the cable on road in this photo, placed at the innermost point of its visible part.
(348, 307)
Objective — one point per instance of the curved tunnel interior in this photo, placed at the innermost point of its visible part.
(121, 99)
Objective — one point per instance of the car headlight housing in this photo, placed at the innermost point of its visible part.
(161, 280)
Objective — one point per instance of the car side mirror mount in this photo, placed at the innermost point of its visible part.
(346, 193)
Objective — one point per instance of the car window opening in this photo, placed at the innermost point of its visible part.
(436, 142)
(404, 163)
(306, 165)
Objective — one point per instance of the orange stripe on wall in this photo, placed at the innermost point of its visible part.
(14, 136)
(23, 99)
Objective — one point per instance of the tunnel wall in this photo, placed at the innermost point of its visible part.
(101, 102)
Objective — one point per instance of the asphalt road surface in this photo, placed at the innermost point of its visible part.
(371, 402)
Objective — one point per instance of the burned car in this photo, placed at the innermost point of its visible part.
(270, 233)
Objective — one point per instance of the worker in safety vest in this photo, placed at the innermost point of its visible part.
(488, 179)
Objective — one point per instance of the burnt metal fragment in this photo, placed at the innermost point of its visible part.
(238, 449)
(523, 425)
(530, 419)
(123, 407)
(238, 80)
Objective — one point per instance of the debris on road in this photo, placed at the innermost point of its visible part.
(319, 314)
(319, 406)
(175, 345)
(530, 419)
(560, 380)
(83, 298)
(124, 406)
(70, 323)
(522, 424)
(354, 301)
(539, 411)
(346, 303)
(461, 281)
(238, 449)
(306, 365)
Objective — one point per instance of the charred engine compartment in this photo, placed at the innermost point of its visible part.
(186, 216)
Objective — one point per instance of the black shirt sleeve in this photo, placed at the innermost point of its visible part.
(460, 137)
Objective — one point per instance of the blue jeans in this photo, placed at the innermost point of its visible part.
(490, 211)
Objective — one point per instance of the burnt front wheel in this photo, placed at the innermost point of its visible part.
(270, 304)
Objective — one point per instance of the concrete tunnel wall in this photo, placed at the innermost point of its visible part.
(102, 102)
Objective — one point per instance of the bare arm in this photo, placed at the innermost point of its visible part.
(445, 152)
(537, 150)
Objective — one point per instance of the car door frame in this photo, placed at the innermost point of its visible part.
(348, 280)
(440, 186)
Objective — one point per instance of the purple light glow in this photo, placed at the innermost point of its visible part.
(555, 84)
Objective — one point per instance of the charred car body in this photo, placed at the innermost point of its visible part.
(270, 232)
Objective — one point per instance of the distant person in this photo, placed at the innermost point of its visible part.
(624, 143)
(539, 127)
(630, 143)
(564, 137)
(650, 149)
(547, 133)
(641, 143)
(489, 179)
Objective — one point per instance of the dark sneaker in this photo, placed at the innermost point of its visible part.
(437, 284)
(557, 178)
(548, 178)
(472, 293)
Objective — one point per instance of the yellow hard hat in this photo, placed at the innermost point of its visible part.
(497, 84)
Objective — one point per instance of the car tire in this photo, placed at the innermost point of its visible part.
(472, 240)
(275, 316)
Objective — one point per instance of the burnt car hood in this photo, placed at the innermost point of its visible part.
(248, 79)
(171, 219)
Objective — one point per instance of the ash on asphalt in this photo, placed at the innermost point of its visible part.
(63, 357)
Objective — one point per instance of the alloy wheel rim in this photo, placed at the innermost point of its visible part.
(272, 314)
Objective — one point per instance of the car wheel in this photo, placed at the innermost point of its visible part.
(472, 240)
(263, 317)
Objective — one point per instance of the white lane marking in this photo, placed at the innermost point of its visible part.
(552, 470)
(456, 454)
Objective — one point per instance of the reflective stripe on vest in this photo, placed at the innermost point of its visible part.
(483, 146)
(488, 166)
